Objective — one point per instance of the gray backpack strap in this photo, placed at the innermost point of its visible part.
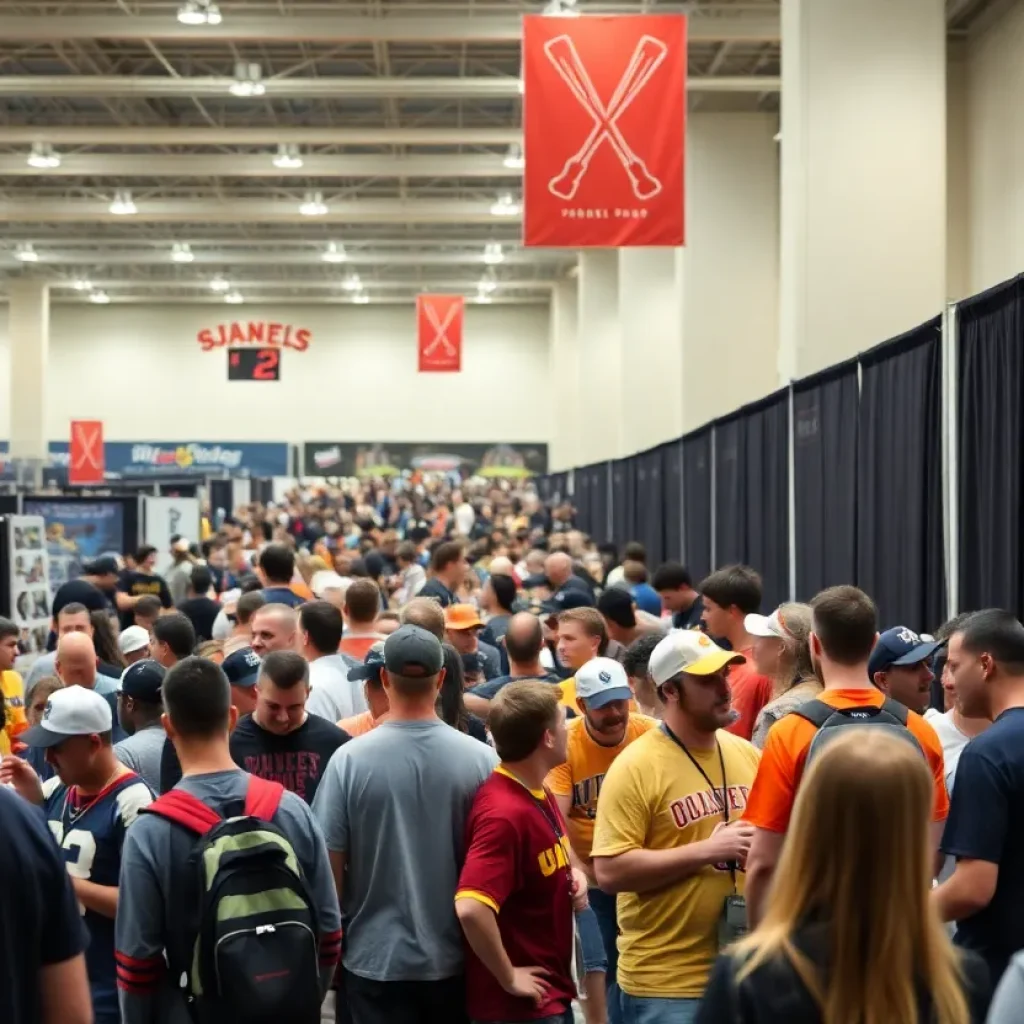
(896, 709)
(817, 712)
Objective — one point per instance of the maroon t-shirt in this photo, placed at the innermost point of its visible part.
(516, 864)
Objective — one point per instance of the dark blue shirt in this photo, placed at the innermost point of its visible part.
(491, 689)
(282, 595)
(986, 822)
(39, 920)
(646, 598)
(690, 619)
(438, 591)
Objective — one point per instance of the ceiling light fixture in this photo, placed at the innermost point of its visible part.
(199, 12)
(287, 157)
(234, 298)
(219, 283)
(361, 298)
(493, 253)
(483, 297)
(514, 159)
(313, 205)
(505, 206)
(122, 204)
(248, 80)
(560, 9)
(488, 284)
(82, 284)
(42, 157)
(101, 298)
(334, 253)
(181, 252)
(25, 252)
(352, 283)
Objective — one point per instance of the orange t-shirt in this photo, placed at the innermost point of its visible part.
(750, 692)
(359, 725)
(359, 646)
(770, 802)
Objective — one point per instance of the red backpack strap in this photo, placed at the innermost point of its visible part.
(186, 810)
(263, 798)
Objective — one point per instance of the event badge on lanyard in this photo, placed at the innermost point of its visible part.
(732, 924)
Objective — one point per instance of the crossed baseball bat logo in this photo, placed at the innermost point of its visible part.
(91, 457)
(440, 328)
(647, 57)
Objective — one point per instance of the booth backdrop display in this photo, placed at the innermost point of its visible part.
(163, 518)
(28, 576)
(352, 459)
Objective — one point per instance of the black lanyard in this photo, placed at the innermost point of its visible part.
(544, 807)
(721, 760)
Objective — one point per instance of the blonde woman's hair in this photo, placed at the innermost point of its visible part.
(858, 858)
(795, 665)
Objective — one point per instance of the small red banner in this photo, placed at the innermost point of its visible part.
(604, 125)
(439, 332)
(86, 464)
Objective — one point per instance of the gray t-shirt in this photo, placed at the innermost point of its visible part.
(395, 802)
(332, 695)
(154, 857)
(141, 752)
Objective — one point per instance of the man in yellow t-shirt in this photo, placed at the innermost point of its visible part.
(605, 729)
(669, 839)
(12, 689)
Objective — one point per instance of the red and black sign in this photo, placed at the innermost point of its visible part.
(254, 364)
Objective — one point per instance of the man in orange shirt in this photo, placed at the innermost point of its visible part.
(362, 606)
(730, 595)
(845, 631)
(376, 696)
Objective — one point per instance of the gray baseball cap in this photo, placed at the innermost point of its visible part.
(412, 651)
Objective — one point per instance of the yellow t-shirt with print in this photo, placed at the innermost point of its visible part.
(14, 707)
(582, 776)
(653, 798)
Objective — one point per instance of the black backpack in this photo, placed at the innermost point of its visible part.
(246, 947)
(831, 722)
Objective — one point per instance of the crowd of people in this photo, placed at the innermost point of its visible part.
(430, 755)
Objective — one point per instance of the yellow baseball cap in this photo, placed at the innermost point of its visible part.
(689, 651)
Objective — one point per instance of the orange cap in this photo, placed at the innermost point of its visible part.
(462, 616)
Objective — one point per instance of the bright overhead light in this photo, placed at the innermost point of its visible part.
(25, 252)
(487, 285)
(199, 12)
(287, 158)
(505, 206)
(181, 252)
(219, 283)
(352, 283)
(248, 80)
(234, 298)
(42, 157)
(123, 205)
(514, 160)
(361, 298)
(82, 284)
(313, 205)
(100, 298)
(560, 9)
(482, 297)
(334, 253)
(493, 253)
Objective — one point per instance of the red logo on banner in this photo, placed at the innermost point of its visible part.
(439, 332)
(86, 463)
(604, 130)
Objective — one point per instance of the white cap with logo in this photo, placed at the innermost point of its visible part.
(602, 680)
(133, 639)
(766, 625)
(73, 711)
(689, 651)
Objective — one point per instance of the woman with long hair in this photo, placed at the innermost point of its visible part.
(105, 640)
(451, 705)
(782, 651)
(850, 935)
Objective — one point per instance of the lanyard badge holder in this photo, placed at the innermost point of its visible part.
(732, 924)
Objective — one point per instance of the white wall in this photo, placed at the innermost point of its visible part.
(141, 371)
(995, 136)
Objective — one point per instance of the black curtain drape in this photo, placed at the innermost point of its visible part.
(558, 487)
(696, 454)
(900, 552)
(600, 487)
(672, 499)
(649, 507)
(990, 359)
(583, 500)
(825, 418)
(730, 491)
(766, 428)
(624, 496)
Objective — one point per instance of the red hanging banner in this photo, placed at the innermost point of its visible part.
(86, 465)
(439, 332)
(604, 124)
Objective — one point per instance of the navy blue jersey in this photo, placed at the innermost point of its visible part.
(90, 833)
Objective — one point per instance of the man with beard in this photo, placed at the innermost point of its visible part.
(669, 838)
(605, 729)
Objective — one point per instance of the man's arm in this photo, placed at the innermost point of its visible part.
(477, 705)
(764, 855)
(64, 992)
(100, 899)
(969, 890)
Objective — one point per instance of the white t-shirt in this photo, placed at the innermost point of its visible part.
(952, 739)
(332, 695)
(465, 517)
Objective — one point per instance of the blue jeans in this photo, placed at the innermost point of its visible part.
(594, 958)
(645, 1010)
(603, 905)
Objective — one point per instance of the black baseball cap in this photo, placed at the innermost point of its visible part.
(143, 680)
(242, 668)
(372, 663)
(616, 605)
(898, 647)
(412, 651)
(105, 565)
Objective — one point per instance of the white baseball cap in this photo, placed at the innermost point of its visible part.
(689, 651)
(73, 711)
(325, 579)
(602, 680)
(766, 625)
(133, 639)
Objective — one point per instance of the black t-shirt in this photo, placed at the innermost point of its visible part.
(690, 619)
(202, 612)
(40, 923)
(986, 822)
(296, 760)
(436, 589)
(135, 584)
(80, 592)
